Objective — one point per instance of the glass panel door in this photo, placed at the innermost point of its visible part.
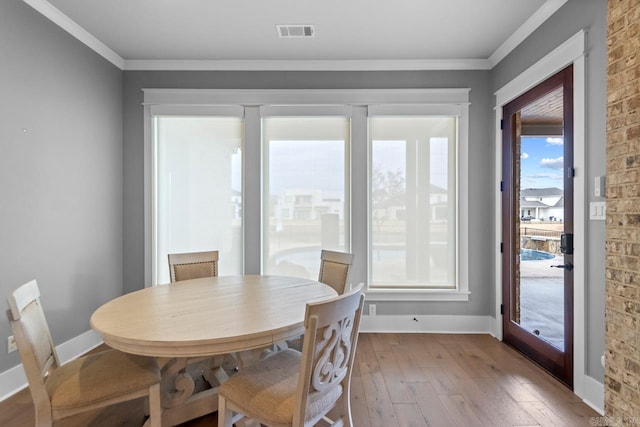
(538, 224)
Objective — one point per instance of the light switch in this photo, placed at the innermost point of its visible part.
(597, 211)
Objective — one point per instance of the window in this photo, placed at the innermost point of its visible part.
(198, 190)
(269, 177)
(306, 198)
(413, 202)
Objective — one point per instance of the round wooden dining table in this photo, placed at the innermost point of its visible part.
(208, 316)
(205, 317)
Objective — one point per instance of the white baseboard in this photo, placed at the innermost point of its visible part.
(594, 394)
(427, 323)
(13, 380)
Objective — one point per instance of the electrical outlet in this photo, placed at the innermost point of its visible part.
(11, 344)
(372, 309)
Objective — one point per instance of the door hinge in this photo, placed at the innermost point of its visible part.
(501, 123)
(501, 247)
(501, 186)
(501, 308)
(571, 172)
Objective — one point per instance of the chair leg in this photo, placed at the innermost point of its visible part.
(225, 415)
(44, 418)
(155, 410)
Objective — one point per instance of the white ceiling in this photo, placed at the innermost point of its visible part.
(370, 34)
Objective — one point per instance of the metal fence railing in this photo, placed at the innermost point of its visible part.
(540, 232)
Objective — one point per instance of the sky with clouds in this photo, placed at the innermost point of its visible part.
(541, 162)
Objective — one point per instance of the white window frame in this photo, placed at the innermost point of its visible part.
(359, 101)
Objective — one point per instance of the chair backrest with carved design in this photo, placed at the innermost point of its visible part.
(331, 336)
(193, 265)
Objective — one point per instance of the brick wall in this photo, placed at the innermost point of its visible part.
(622, 307)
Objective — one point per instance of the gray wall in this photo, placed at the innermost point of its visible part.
(480, 153)
(575, 15)
(61, 191)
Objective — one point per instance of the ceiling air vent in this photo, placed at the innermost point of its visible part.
(295, 31)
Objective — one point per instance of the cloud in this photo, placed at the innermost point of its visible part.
(552, 163)
(538, 176)
(555, 141)
(524, 155)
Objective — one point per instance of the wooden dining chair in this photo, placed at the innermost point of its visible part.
(289, 388)
(84, 384)
(193, 265)
(334, 269)
(196, 265)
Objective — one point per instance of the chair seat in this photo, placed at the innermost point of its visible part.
(268, 387)
(100, 377)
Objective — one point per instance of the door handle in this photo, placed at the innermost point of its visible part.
(567, 266)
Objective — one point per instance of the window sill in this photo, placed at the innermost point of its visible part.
(416, 295)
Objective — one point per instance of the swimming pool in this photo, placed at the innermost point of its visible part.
(534, 255)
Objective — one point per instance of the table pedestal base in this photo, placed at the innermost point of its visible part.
(182, 400)
(198, 405)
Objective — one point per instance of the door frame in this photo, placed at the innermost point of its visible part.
(572, 51)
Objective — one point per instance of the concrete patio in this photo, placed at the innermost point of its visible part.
(542, 299)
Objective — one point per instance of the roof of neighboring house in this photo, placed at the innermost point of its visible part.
(541, 192)
(524, 203)
(531, 204)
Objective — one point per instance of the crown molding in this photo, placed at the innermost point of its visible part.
(530, 25)
(67, 24)
(70, 26)
(308, 65)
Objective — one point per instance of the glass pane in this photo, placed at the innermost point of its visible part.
(306, 200)
(198, 190)
(539, 287)
(413, 202)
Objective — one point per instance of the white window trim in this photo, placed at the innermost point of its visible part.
(260, 97)
(437, 101)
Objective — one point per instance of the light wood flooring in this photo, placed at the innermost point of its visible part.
(408, 380)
